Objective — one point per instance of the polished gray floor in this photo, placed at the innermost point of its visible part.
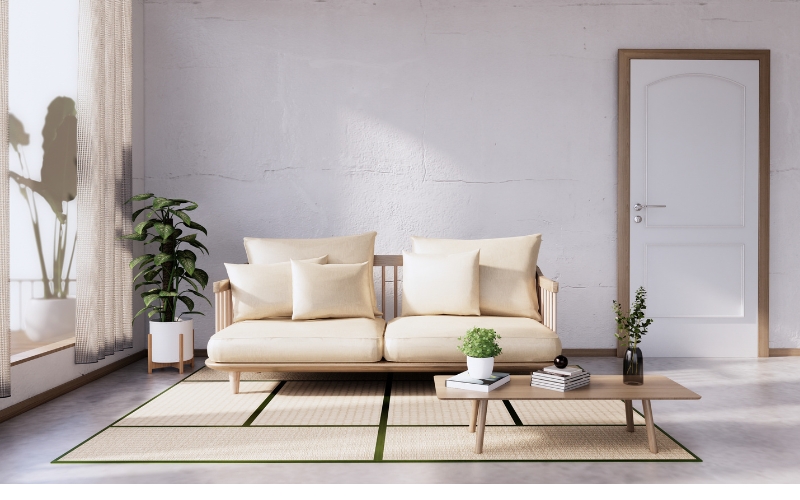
(746, 429)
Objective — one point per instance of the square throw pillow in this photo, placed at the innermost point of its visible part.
(262, 291)
(507, 271)
(331, 291)
(340, 250)
(441, 284)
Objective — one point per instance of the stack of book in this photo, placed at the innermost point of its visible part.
(464, 381)
(560, 379)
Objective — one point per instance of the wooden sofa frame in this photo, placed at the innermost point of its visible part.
(545, 287)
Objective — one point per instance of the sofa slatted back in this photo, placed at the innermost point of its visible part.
(546, 290)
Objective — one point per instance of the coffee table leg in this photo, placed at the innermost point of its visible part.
(651, 428)
(482, 405)
(629, 414)
(473, 417)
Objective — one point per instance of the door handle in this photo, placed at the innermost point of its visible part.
(639, 206)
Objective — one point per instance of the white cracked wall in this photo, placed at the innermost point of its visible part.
(465, 119)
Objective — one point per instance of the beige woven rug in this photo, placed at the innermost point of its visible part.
(293, 417)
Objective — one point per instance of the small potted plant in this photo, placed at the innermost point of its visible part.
(480, 346)
(170, 276)
(630, 329)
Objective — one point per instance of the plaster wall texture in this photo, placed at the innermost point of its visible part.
(463, 119)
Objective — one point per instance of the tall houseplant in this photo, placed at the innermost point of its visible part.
(171, 276)
(630, 330)
(480, 346)
(53, 316)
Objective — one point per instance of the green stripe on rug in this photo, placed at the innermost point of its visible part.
(264, 404)
(512, 412)
(381, 441)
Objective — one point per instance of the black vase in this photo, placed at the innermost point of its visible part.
(633, 367)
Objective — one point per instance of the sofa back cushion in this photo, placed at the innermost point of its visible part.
(441, 284)
(331, 291)
(507, 271)
(261, 291)
(340, 250)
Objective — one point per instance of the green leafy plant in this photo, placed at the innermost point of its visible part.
(632, 327)
(480, 343)
(58, 185)
(171, 274)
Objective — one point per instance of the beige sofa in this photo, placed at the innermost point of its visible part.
(405, 343)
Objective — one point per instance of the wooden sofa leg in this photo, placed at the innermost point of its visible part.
(234, 378)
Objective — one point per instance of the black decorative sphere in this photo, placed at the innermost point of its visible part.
(560, 361)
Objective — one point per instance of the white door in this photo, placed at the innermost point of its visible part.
(694, 171)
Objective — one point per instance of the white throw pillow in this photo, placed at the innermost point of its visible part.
(441, 284)
(263, 290)
(339, 249)
(507, 269)
(331, 291)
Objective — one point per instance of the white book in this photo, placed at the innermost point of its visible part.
(464, 381)
(559, 388)
(557, 384)
(560, 381)
(569, 370)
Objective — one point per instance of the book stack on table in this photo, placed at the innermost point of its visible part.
(560, 379)
(464, 381)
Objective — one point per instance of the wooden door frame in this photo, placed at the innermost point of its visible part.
(624, 170)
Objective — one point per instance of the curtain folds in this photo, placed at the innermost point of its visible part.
(104, 180)
(5, 294)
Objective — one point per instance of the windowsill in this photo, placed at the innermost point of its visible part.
(26, 356)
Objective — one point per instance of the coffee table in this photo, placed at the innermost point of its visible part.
(601, 387)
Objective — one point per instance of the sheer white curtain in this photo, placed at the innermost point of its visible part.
(5, 295)
(104, 180)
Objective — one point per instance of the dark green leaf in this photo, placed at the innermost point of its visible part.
(191, 207)
(198, 227)
(163, 257)
(138, 212)
(197, 244)
(186, 300)
(143, 271)
(135, 237)
(202, 277)
(167, 294)
(140, 312)
(143, 226)
(145, 283)
(151, 275)
(151, 313)
(141, 197)
(159, 203)
(182, 216)
(149, 299)
(165, 230)
(193, 292)
(188, 238)
(142, 259)
(187, 259)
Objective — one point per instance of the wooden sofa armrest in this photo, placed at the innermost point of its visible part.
(223, 305)
(222, 285)
(547, 291)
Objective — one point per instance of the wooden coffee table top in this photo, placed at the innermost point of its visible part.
(601, 387)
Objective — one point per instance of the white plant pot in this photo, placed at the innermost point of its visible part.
(480, 367)
(50, 320)
(166, 338)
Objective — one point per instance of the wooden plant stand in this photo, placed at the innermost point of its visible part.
(178, 364)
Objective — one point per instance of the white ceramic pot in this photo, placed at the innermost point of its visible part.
(480, 367)
(50, 320)
(166, 338)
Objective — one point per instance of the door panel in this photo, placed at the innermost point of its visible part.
(694, 148)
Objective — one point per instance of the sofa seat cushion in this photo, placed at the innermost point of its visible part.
(349, 340)
(435, 338)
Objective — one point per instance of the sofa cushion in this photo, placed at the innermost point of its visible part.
(263, 290)
(507, 271)
(340, 250)
(331, 291)
(349, 340)
(435, 338)
(441, 284)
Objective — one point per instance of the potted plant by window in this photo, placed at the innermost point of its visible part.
(630, 329)
(480, 346)
(51, 317)
(170, 276)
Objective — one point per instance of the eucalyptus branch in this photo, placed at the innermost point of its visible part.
(633, 326)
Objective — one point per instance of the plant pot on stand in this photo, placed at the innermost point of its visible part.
(170, 344)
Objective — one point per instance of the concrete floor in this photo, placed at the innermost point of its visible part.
(746, 429)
